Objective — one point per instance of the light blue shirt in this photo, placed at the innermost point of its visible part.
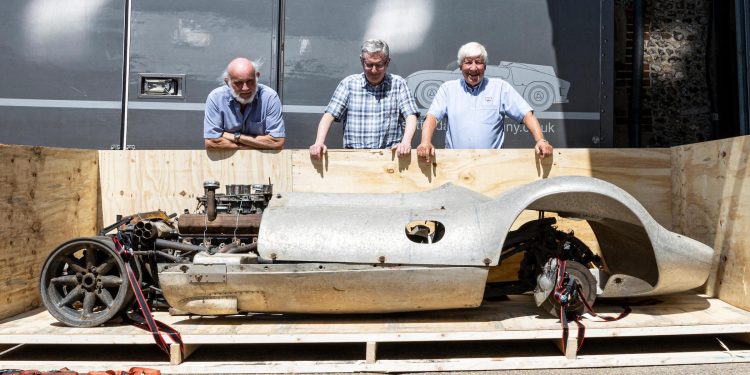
(475, 116)
(262, 116)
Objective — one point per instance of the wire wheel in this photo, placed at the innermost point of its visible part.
(84, 282)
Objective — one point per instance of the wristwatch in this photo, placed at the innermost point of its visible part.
(237, 137)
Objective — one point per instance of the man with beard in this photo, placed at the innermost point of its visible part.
(369, 105)
(476, 107)
(243, 114)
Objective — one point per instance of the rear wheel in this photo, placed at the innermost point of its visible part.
(84, 282)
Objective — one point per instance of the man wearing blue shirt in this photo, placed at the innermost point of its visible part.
(243, 114)
(475, 108)
(370, 104)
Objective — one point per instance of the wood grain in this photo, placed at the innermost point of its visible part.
(47, 196)
(710, 203)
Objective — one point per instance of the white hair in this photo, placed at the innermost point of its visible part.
(375, 46)
(471, 49)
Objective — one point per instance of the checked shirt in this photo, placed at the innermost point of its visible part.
(370, 114)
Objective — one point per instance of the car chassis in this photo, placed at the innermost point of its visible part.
(250, 251)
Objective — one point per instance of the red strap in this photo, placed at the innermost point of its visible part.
(154, 326)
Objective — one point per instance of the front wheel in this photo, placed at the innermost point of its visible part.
(84, 282)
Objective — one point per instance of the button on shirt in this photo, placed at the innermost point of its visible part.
(370, 114)
(476, 115)
(262, 116)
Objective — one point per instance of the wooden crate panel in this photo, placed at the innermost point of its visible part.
(170, 180)
(711, 201)
(47, 196)
(644, 174)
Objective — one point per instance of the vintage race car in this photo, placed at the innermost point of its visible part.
(250, 251)
(537, 84)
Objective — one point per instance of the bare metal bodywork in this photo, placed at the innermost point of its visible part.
(335, 253)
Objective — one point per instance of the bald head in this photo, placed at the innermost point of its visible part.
(242, 78)
(240, 67)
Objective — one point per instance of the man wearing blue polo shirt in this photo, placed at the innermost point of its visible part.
(243, 114)
(475, 107)
(370, 104)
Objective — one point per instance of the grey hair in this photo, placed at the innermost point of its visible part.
(471, 49)
(375, 46)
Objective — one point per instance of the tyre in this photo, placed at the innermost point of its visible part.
(84, 282)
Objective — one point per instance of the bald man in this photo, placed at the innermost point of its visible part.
(243, 114)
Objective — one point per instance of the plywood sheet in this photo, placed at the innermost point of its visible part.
(644, 174)
(711, 201)
(47, 196)
(171, 180)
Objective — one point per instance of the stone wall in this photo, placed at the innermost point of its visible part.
(676, 106)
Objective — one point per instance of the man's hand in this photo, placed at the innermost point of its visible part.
(426, 151)
(402, 149)
(317, 150)
(543, 148)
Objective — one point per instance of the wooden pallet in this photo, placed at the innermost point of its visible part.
(515, 319)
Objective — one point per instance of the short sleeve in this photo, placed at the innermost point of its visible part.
(337, 105)
(439, 105)
(274, 120)
(513, 104)
(213, 123)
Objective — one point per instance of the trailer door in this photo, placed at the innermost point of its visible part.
(178, 51)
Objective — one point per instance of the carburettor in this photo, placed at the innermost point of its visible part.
(231, 217)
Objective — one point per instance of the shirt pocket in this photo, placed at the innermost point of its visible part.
(257, 128)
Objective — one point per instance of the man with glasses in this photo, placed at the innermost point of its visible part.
(476, 108)
(243, 114)
(369, 105)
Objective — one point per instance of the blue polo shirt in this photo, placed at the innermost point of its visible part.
(475, 116)
(262, 116)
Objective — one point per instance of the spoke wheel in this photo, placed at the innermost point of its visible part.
(84, 282)
(580, 273)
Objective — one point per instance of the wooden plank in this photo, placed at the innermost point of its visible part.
(371, 348)
(515, 319)
(177, 356)
(711, 201)
(499, 362)
(644, 174)
(171, 180)
(47, 196)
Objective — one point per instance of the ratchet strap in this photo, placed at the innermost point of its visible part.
(568, 290)
(146, 321)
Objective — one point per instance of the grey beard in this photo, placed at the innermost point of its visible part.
(242, 101)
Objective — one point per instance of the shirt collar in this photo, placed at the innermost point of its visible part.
(386, 83)
(476, 89)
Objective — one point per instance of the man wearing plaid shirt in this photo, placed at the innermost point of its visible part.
(369, 104)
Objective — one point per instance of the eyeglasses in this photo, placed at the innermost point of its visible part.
(377, 66)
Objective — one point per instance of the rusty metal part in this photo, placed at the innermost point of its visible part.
(148, 230)
(195, 225)
(216, 289)
(210, 187)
